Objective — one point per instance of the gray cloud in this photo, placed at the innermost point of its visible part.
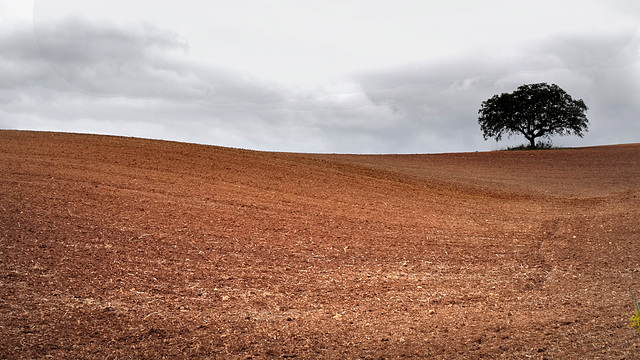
(139, 61)
(444, 96)
(139, 81)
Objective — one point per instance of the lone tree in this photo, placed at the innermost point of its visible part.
(534, 110)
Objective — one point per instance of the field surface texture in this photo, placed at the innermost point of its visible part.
(121, 248)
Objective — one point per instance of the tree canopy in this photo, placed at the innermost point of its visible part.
(535, 111)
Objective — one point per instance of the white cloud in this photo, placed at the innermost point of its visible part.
(88, 74)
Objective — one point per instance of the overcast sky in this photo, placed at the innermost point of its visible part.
(403, 76)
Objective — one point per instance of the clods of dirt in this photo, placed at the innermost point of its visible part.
(118, 248)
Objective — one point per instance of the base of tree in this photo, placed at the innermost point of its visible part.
(539, 146)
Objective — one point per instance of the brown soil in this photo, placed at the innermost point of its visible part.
(118, 248)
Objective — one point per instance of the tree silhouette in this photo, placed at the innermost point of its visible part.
(535, 111)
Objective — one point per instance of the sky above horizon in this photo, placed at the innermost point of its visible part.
(341, 77)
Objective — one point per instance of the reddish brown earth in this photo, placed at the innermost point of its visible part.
(120, 248)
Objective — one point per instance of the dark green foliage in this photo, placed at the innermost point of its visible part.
(534, 110)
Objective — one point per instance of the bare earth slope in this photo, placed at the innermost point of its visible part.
(127, 248)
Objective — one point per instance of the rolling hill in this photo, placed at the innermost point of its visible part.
(115, 247)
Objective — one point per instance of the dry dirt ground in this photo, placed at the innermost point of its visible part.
(121, 248)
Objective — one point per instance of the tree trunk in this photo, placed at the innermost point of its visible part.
(532, 141)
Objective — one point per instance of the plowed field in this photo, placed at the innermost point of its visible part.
(122, 248)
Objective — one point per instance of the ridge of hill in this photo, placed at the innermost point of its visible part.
(121, 247)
